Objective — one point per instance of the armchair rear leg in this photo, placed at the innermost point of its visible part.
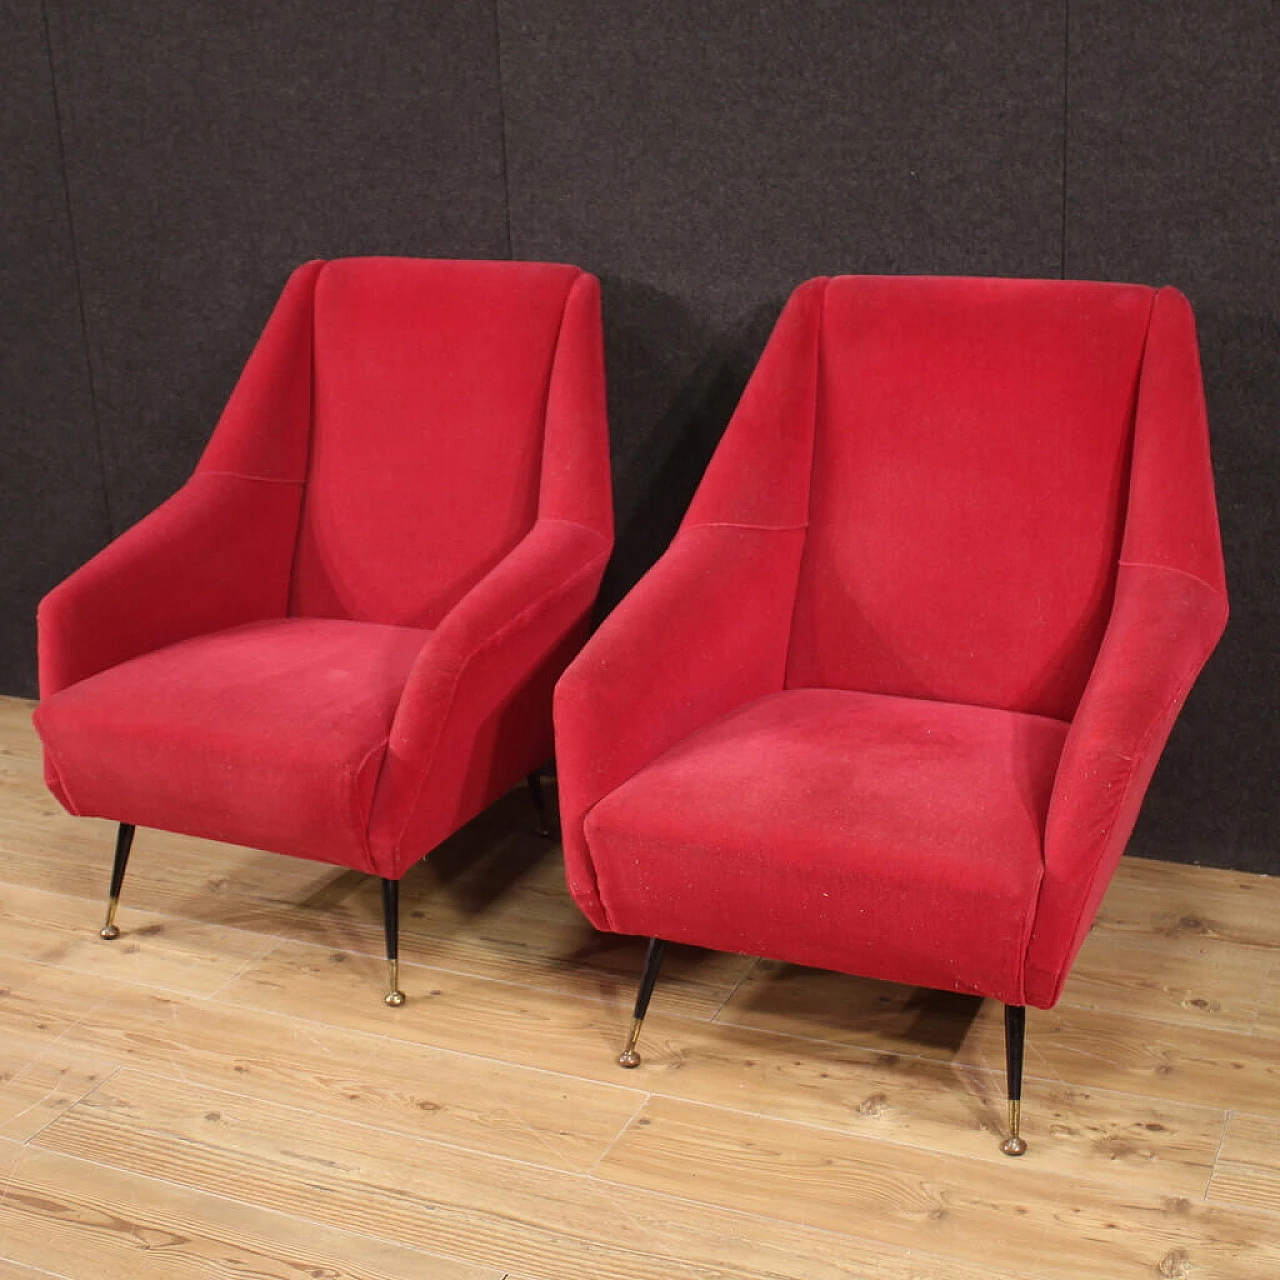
(538, 796)
(1015, 1025)
(124, 842)
(391, 926)
(652, 963)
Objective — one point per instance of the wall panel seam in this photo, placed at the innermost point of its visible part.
(502, 125)
(1066, 125)
(76, 273)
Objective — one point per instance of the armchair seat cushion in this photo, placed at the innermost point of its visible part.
(885, 836)
(270, 734)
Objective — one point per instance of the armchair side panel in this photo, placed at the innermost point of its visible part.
(1170, 610)
(218, 552)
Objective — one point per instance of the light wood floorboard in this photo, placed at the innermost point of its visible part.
(1051, 1225)
(40, 1078)
(82, 1218)
(221, 1092)
(1248, 1168)
(17, 1271)
(1153, 1056)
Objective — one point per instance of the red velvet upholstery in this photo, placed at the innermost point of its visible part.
(339, 639)
(891, 699)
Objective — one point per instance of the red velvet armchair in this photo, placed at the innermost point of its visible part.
(889, 703)
(339, 639)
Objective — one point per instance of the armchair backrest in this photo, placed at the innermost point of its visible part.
(429, 388)
(969, 481)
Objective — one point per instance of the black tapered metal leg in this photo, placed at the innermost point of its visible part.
(539, 798)
(1015, 1029)
(652, 963)
(124, 842)
(391, 925)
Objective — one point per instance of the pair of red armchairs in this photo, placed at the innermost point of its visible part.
(888, 705)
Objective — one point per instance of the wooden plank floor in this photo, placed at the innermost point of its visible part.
(221, 1092)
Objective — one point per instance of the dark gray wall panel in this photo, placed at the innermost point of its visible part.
(1171, 178)
(704, 159)
(212, 145)
(51, 502)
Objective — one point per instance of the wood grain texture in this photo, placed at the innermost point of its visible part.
(1248, 1169)
(928, 1103)
(1153, 900)
(1268, 1022)
(90, 1222)
(471, 1101)
(1189, 978)
(1051, 1226)
(436, 1197)
(233, 1098)
(40, 1077)
(16, 1271)
(158, 950)
(1180, 1062)
(11, 1152)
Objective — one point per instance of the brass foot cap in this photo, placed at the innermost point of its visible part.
(629, 1058)
(394, 998)
(1014, 1147)
(109, 932)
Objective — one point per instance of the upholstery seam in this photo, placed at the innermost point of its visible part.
(77, 809)
(813, 467)
(292, 573)
(1029, 927)
(362, 819)
(548, 597)
(551, 373)
(752, 528)
(1172, 568)
(240, 475)
(596, 877)
(818, 365)
(572, 524)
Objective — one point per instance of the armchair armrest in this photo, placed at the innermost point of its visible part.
(1162, 630)
(705, 631)
(1170, 608)
(214, 555)
(475, 714)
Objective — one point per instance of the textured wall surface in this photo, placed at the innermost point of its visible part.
(171, 160)
(212, 146)
(1171, 178)
(52, 506)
